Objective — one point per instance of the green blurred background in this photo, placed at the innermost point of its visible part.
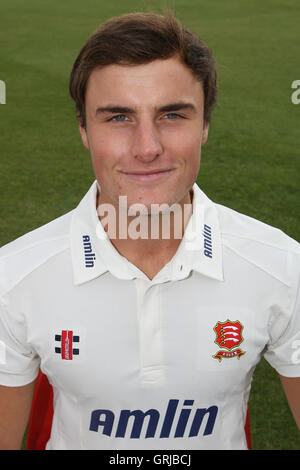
(250, 163)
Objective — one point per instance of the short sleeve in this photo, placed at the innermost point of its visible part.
(19, 364)
(284, 353)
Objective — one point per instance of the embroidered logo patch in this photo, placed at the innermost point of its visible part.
(66, 342)
(228, 337)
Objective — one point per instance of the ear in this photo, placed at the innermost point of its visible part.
(205, 133)
(84, 136)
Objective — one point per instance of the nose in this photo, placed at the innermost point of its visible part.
(146, 146)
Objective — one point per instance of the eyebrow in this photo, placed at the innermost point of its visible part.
(178, 107)
(114, 109)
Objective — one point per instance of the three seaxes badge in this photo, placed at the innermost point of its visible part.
(228, 338)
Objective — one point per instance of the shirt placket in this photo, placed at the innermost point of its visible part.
(149, 333)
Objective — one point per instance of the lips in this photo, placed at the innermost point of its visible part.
(145, 176)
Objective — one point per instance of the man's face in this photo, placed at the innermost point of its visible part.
(144, 131)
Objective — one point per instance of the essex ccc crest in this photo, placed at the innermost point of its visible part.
(228, 337)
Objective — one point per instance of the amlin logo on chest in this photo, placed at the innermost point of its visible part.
(89, 256)
(190, 422)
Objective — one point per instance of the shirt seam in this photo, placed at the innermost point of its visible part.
(292, 311)
(262, 242)
(32, 245)
(6, 291)
(257, 265)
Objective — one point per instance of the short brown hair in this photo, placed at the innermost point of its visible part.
(139, 38)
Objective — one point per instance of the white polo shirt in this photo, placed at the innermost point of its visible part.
(149, 364)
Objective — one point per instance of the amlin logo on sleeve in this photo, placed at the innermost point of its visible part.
(89, 256)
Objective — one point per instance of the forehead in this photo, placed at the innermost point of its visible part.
(152, 83)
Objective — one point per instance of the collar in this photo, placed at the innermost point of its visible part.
(93, 254)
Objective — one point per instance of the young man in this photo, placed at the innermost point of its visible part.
(149, 340)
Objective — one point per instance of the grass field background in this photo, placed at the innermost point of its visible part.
(250, 163)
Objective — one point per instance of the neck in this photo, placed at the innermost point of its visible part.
(148, 241)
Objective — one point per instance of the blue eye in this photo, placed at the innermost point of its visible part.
(119, 118)
(172, 116)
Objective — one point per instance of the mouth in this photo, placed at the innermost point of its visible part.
(145, 176)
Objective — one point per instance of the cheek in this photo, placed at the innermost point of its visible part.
(190, 154)
(106, 153)
(184, 141)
